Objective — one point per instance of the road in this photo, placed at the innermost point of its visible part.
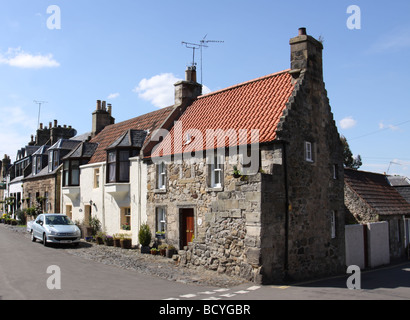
(23, 276)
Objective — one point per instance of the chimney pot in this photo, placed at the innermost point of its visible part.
(41, 126)
(109, 108)
(98, 104)
(104, 106)
(55, 123)
(302, 31)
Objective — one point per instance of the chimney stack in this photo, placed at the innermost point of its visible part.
(187, 91)
(306, 55)
(101, 117)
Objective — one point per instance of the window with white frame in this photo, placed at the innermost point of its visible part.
(216, 172)
(161, 174)
(333, 224)
(161, 221)
(308, 151)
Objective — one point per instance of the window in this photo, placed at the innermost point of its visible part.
(37, 164)
(126, 219)
(308, 151)
(112, 165)
(118, 165)
(335, 172)
(161, 174)
(96, 178)
(216, 173)
(53, 160)
(71, 173)
(161, 221)
(333, 224)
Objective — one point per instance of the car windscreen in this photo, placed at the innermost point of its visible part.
(59, 221)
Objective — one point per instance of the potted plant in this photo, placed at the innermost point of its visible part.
(170, 251)
(99, 237)
(109, 241)
(162, 249)
(144, 237)
(126, 226)
(160, 234)
(117, 240)
(125, 242)
(154, 251)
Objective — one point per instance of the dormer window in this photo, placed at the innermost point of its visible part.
(71, 173)
(119, 154)
(53, 160)
(118, 165)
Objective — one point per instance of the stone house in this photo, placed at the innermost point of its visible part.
(249, 181)
(369, 197)
(41, 178)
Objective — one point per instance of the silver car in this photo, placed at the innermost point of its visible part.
(55, 228)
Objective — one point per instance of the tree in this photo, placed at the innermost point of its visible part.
(348, 160)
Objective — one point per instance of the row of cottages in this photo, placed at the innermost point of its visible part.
(249, 181)
(371, 197)
(246, 181)
(33, 179)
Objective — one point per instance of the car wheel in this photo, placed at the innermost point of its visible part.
(45, 240)
(33, 238)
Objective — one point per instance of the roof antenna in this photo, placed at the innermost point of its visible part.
(39, 108)
(194, 46)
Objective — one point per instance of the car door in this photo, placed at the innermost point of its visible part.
(38, 227)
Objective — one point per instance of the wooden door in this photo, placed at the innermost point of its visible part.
(187, 226)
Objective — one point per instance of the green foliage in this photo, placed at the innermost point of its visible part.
(348, 160)
(144, 235)
(95, 225)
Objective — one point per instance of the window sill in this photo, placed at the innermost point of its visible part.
(160, 191)
(214, 189)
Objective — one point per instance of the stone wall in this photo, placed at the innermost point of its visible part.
(41, 185)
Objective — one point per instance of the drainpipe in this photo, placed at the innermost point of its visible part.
(287, 205)
(103, 196)
(139, 193)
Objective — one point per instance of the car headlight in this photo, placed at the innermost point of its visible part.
(53, 233)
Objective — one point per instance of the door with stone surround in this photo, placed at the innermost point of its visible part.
(187, 229)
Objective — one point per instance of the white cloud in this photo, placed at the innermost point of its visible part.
(347, 123)
(383, 126)
(159, 89)
(113, 95)
(20, 59)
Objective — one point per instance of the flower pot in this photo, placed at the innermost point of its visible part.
(109, 242)
(162, 252)
(117, 243)
(154, 252)
(169, 253)
(145, 249)
(125, 243)
(99, 240)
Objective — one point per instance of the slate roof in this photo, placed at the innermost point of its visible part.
(147, 122)
(131, 138)
(83, 150)
(376, 191)
(256, 104)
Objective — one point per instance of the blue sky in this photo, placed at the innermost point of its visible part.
(129, 53)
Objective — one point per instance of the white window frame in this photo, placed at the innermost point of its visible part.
(162, 176)
(161, 219)
(308, 151)
(216, 170)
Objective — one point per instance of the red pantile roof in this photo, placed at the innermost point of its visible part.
(253, 105)
(149, 122)
(376, 191)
